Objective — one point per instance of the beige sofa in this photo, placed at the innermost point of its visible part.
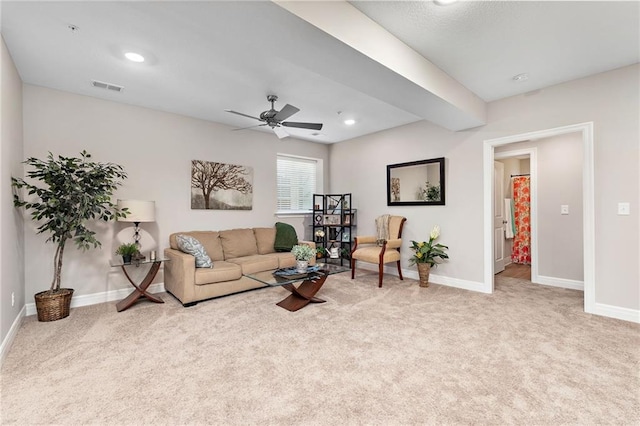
(235, 253)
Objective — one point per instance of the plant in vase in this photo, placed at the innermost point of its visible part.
(69, 193)
(426, 254)
(127, 251)
(303, 254)
(321, 252)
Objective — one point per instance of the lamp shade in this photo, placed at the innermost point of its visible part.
(139, 211)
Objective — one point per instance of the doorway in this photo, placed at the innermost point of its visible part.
(588, 228)
(511, 170)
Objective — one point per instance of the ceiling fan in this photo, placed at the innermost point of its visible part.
(275, 119)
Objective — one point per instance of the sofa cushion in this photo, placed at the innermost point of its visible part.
(210, 240)
(224, 271)
(257, 263)
(192, 246)
(265, 239)
(286, 237)
(238, 243)
(285, 260)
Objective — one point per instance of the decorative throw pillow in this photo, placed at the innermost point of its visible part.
(193, 247)
(286, 237)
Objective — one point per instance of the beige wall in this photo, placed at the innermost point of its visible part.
(156, 149)
(11, 231)
(559, 174)
(611, 100)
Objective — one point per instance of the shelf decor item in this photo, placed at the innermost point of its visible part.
(68, 192)
(426, 255)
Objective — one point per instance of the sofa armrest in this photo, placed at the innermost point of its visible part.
(313, 246)
(179, 275)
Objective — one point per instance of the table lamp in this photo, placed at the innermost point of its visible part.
(139, 211)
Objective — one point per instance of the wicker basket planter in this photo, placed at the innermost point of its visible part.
(423, 273)
(53, 306)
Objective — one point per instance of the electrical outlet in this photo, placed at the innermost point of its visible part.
(13, 299)
(564, 209)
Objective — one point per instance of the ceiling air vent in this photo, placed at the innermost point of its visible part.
(107, 86)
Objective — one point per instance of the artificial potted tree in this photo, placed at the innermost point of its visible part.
(67, 192)
(426, 254)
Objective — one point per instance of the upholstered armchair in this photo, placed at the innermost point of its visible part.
(379, 250)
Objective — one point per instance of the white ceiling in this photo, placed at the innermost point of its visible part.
(205, 57)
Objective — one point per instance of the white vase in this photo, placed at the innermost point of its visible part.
(301, 266)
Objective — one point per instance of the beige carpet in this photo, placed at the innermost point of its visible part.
(397, 355)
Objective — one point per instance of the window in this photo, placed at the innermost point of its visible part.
(298, 179)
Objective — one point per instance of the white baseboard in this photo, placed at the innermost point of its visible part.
(433, 278)
(560, 282)
(617, 312)
(102, 297)
(11, 335)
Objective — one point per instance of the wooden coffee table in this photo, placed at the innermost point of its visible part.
(306, 291)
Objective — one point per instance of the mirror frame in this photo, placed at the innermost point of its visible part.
(441, 202)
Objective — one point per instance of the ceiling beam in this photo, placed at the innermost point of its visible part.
(413, 83)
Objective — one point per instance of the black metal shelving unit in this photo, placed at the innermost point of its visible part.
(334, 223)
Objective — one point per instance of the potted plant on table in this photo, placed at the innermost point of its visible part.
(426, 254)
(127, 251)
(303, 254)
(67, 193)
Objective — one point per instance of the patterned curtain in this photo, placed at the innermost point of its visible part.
(521, 252)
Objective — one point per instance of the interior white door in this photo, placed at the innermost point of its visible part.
(499, 218)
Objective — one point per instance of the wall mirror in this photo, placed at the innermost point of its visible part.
(417, 183)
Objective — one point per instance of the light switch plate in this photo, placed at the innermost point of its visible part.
(624, 209)
(564, 209)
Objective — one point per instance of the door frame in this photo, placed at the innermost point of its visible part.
(533, 210)
(588, 202)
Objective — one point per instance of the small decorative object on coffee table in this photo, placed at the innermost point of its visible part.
(303, 254)
(140, 289)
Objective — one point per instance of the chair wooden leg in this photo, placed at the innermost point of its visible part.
(399, 270)
(353, 268)
(380, 268)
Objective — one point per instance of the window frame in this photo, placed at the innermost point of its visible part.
(318, 186)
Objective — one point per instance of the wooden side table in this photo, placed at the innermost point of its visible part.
(140, 289)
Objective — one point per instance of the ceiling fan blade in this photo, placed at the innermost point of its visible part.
(286, 112)
(280, 132)
(312, 126)
(244, 115)
(250, 127)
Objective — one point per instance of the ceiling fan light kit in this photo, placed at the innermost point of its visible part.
(275, 119)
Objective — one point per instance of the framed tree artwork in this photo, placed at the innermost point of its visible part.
(221, 186)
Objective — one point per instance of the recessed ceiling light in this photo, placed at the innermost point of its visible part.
(521, 77)
(350, 122)
(134, 57)
(444, 2)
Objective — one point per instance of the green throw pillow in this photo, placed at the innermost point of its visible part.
(286, 237)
